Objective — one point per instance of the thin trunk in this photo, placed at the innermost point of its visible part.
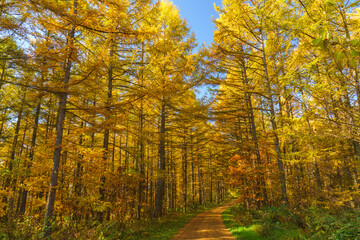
(168, 177)
(160, 190)
(151, 199)
(100, 215)
(10, 181)
(141, 163)
(185, 172)
(199, 187)
(261, 181)
(211, 178)
(141, 160)
(23, 140)
(218, 191)
(274, 127)
(31, 157)
(192, 171)
(173, 177)
(3, 74)
(126, 146)
(48, 123)
(120, 146)
(147, 180)
(93, 133)
(113, 153)
(316, 170)
(14, 145)
(78, 176)
(59, 136)
(3, 120)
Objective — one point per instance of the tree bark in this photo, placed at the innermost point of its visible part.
(274, 127)
(261, 181)
(100, 215)
(160, 190)
(141, 140)
(185, 172)
(31, 156)
(10, 182)
(59, 135)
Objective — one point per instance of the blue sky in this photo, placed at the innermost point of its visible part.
(198, 14)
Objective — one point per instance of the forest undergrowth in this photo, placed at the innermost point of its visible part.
(280, 223)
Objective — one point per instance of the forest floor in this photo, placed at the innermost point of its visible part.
(207, 226)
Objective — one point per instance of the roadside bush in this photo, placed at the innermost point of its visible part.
(324, 224)
(313, 223)
(280, 223)
(242, 215)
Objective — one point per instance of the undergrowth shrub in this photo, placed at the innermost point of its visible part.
(242, 215)
(313, 223)
(325, 224)
(280, 223)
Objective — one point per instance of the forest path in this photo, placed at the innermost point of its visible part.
(207, 226)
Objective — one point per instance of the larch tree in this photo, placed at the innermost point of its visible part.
(170, 62)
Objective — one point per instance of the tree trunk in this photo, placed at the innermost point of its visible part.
(261, 186)
(10, 182)
(3, 120)
(31, 157)
(59, 136)
(274, 127)
(185, 172)
(3, 74)
(199, 187)
(192, 171)
(142, 150)
(141, 162)
(100, 215)
(160, 190)
(211, 177)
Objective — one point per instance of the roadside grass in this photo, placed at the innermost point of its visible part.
(251, 232)
(282, 223)
(273, 224)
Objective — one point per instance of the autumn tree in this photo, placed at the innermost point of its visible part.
(170, 62)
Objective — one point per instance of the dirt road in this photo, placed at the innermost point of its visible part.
(206, 226)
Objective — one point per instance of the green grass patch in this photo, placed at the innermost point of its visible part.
(251, 232)
(275, 224)
(281, 223)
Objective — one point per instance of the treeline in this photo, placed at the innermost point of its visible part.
(99, 117)
(289, 102)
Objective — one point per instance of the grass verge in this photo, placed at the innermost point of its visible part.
(282, 223)
(272, 223)
(250, 232)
